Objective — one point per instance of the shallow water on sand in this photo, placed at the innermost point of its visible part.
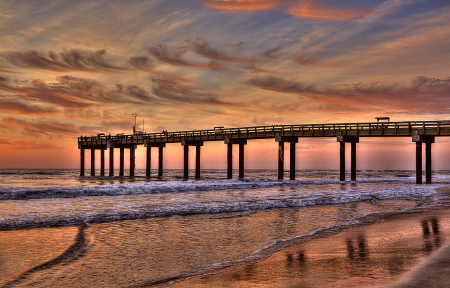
(143, 233)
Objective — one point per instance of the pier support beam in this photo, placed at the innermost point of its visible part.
(149, 145)
(148, 161)
(280, 160)
(292, 140)
(230, 143)
(342, 161)
(132, 160)
(160, 161)
(241, 160)
(92, 162)
(111, 160)
(121, 168)
(342, 140)
(229, 161)
(428, 140)
(292, 161)
(353, 162)
(102, 162)
(82, 162)
(186, 162)
(197, 162)
(428, 163)
(186, 145)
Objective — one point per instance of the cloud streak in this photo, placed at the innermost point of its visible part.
(66, 61)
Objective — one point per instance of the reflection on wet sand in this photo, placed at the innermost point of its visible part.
(365, 256)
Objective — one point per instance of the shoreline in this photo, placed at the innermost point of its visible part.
(390, 250)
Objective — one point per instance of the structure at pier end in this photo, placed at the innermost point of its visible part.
(419, 131)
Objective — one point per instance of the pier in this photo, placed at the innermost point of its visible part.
(419, 132)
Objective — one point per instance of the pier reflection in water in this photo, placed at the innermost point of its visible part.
(361, 256)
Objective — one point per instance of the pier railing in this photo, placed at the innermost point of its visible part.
(371, 129)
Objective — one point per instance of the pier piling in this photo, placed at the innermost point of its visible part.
(230, 143)
(82, 162)
(132, 160)
(342, 161)
(160, 161)
(102, 162)
(229, 161)
(280, 160)
(148, 161)
(92, 162)
(121, 158)
(111, 160)
(197, 162)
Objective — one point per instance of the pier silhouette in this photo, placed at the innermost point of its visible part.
(419, 131)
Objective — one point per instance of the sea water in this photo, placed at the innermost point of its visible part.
(60, 229)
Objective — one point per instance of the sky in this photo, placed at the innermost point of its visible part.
(71, 68)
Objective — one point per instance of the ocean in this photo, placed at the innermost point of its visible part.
(60, 229)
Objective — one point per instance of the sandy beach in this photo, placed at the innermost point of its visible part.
(408, 250)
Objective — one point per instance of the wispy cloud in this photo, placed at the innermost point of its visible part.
(65, 61)
(37, 127)
(422, 96)
(20, 108)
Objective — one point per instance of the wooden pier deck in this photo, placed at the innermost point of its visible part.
(419, 131)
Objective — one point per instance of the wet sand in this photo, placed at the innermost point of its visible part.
(409, 250)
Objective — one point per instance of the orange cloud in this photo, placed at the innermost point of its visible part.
(314, 10)
(242, 5)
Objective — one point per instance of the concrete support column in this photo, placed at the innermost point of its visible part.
(102, 162)
(428, 140)
(82, 162)
(160, 162)
(132, 160)
(292, 161)
(111, 161)
(353, 161)
(197, 162)
(229, 161)
(241, 160)
(418, 162)
(342, 140)
(148, 161)
(342, 161)
(280, 160)
(121, 168)
(428, 163)
(186, 162)
(92, 162)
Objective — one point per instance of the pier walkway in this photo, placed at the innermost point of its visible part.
(419, 131)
